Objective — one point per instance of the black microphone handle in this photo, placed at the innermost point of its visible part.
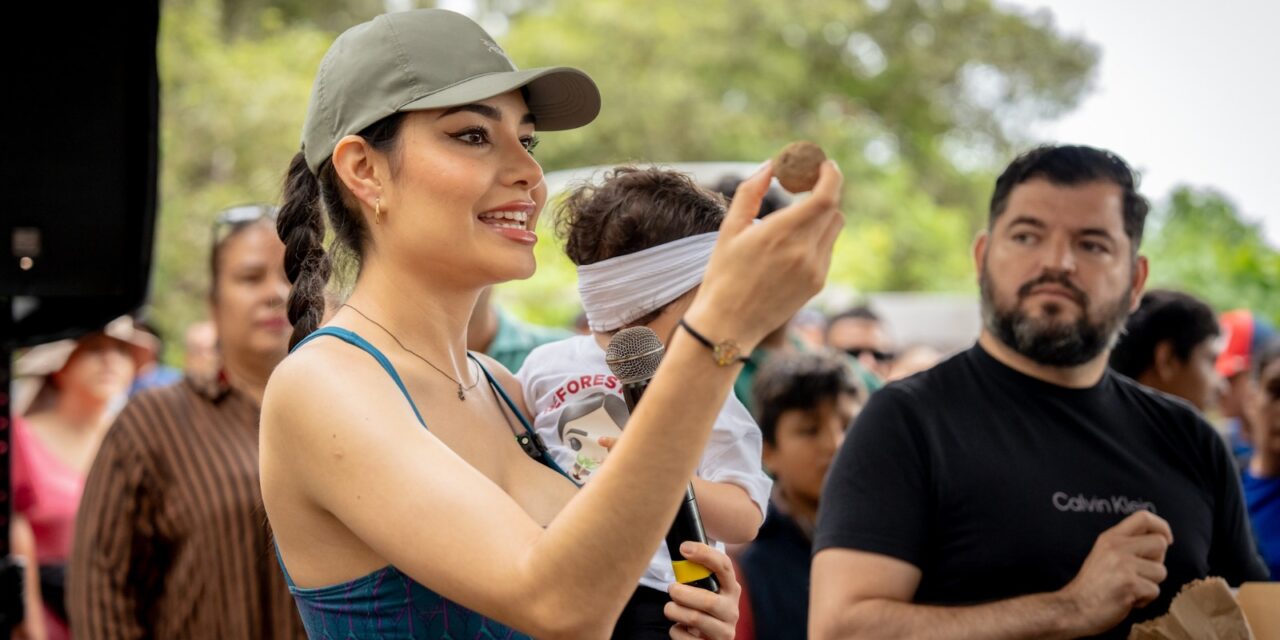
(688, 521)
(631, 393)
(688, 527)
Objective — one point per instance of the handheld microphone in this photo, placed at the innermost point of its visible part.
(633, 356)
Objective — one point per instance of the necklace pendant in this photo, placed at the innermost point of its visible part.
(461, 396)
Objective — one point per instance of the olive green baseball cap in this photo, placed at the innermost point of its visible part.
(429, 59)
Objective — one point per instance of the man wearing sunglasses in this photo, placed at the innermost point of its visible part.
(860, 333)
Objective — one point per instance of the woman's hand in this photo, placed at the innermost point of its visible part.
(698, 613)
(760, 273)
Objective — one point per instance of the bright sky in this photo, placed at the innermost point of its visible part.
(1187, 91)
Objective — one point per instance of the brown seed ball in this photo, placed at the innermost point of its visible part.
(796, 166)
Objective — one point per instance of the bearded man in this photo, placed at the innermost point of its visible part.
(1021, 489)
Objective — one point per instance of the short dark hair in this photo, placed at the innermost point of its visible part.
(772, 201)
(1070, 165)
(860, 312)
(1163, 316)
(633, 209)
(800, 381)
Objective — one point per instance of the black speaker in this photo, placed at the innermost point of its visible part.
(79, 166)
(77, 215)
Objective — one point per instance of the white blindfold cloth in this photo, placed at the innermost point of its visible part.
(620, 289)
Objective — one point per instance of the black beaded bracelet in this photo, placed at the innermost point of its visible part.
(725, 352)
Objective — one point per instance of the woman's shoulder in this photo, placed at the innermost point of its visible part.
(327, 406)
(320, 370)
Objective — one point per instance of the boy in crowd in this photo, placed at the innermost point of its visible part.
(641, 240)
(804, 402)
(1170, 345)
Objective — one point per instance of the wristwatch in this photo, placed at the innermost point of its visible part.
(725, 352)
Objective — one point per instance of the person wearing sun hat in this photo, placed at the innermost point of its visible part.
(72, 390)
(170, 539)
(407, 494)
(1244, 335)
(34, 369)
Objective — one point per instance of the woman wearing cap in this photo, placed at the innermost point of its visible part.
(171, 540)
(400, 500)
(80, 387)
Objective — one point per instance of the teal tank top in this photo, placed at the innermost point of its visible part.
(387, 603)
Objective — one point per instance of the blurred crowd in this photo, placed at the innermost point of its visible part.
(135, 482)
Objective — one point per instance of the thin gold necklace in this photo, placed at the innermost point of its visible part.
(461, 390)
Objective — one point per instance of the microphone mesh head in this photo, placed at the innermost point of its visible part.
(633, 354)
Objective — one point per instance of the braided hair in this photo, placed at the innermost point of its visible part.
(301, 226)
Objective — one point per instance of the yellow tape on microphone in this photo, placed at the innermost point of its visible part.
(687, 571)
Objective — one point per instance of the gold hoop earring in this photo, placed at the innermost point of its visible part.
(377, 211)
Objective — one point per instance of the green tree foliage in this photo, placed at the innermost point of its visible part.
(932, 84)
(243, 18)
(917, 101)
(1197, 242)
(231, 117)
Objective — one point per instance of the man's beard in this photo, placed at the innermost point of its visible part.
(1045, 340)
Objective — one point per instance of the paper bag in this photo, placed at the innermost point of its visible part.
(1260, 602)
(1202, 610)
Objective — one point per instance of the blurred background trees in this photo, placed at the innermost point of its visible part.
(1198, 242)
(921, 102)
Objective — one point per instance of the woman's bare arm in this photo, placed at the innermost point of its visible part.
(352, 447)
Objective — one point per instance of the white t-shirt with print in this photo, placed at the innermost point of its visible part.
(575, 399)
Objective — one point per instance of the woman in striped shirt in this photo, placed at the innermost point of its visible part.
(171, 539)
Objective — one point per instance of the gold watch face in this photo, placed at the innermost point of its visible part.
(726, 353)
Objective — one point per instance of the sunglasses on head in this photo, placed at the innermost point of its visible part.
(880, 356)
(231, 219)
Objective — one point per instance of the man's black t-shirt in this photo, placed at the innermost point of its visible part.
(996, 484)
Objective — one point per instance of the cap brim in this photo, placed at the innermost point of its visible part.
(560, 98)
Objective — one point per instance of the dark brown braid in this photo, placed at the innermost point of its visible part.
(300, 225)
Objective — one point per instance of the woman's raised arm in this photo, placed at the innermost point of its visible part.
(354, 449)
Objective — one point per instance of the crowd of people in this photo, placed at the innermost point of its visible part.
(410, 459)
